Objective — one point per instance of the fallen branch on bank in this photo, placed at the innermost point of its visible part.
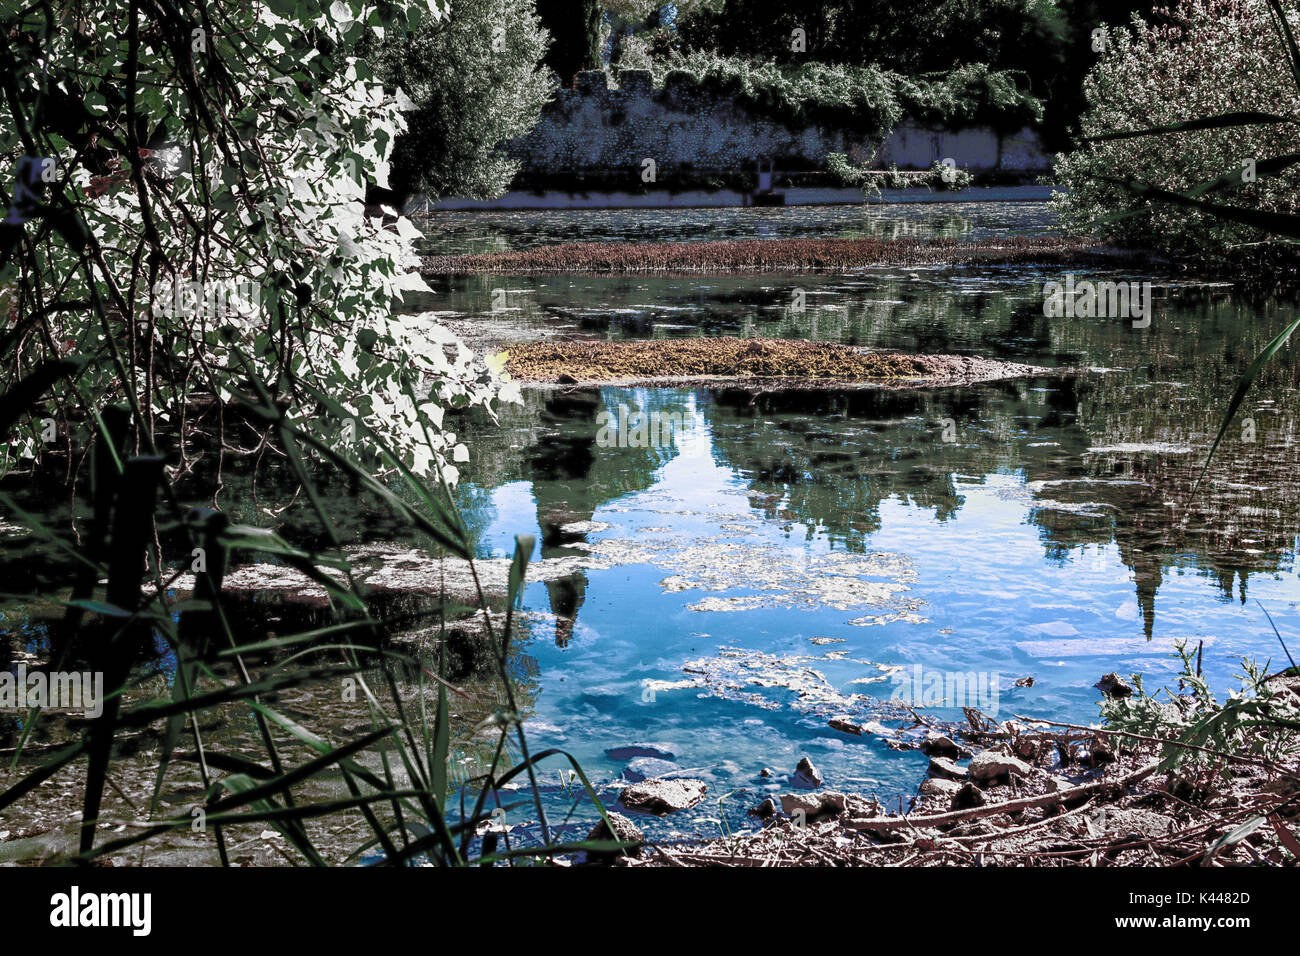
(885, 824)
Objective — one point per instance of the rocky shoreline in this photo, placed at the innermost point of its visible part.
(1031, 793)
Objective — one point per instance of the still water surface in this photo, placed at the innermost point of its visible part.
(782, 557)
(1036, 528)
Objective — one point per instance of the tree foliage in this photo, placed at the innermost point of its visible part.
(476, 82)
(1048, 41)
(914, 36)
(185, 214)
(1220, 58)
(575, 30)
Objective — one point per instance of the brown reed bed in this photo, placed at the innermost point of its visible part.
(575, 362)
(766, 255)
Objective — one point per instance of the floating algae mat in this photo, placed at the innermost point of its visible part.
(765, 255)
(571, 362)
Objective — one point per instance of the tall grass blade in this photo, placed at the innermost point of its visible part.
(1222, 121)
(441, 748)
(1288, 37)
(1285, 649)
(1243, 387)
(1279, 223)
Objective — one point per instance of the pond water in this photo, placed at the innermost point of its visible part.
(782, 554)
(763, 561)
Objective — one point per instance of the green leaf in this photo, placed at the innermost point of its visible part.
(1264, 169)
(441, 746)
(524, 544)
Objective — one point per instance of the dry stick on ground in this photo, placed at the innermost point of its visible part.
(999, 834)
(995, 809)
(1164, 842)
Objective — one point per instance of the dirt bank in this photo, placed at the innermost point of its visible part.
(728, 360)
(768, 255)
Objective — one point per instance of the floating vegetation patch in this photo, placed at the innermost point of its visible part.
(1136, 448)
(748, 676)
(393, 568)
(833, 580)
(766, 255)
(575, 362)
(725, 357)
(904, 615)
(766, 575)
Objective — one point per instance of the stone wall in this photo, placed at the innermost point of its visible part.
(592, 128)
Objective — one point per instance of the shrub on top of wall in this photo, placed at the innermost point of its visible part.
(973, 94)
(863, 99)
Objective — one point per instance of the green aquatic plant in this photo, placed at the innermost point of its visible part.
(940, 176)
(1205, 745)
(1258, 717)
